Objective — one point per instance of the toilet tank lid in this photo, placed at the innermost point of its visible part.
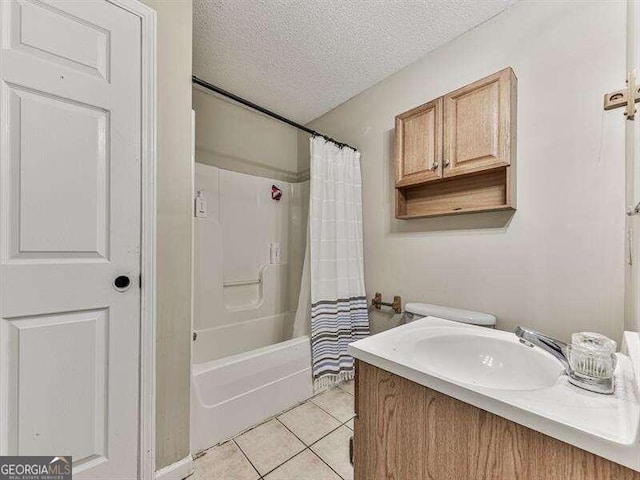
(454, 314)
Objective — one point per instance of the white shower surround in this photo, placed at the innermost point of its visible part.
(232, 244)
(246, 366)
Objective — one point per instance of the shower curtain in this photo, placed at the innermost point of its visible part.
(333, 274)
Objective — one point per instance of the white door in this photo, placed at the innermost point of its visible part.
(70, 149)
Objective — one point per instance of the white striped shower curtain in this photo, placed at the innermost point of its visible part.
(334, 263)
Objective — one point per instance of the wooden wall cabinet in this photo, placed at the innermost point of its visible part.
(405, 431)
(456, 154)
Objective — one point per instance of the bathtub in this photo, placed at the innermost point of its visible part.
(234, 393)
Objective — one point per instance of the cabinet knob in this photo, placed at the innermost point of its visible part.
(446, 163)
(434, 166)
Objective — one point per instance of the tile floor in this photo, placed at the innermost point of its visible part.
(308, 442)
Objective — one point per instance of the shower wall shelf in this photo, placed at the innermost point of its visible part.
(456, 154)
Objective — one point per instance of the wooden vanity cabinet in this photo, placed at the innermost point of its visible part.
(456, 154)
(419, 144)
(405, 431)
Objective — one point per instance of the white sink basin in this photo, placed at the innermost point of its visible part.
(487, 361)
(493, 371)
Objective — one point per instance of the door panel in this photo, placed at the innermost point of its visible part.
(419, 144)
(419, 151)
(71, 209)
(58, 35)
(478, 125)
(73, 352)
(70, 154)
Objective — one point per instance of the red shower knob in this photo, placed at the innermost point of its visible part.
(276, 193)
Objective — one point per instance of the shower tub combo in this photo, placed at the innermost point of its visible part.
(246, 365)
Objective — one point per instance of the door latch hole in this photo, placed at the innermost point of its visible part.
(121, 283)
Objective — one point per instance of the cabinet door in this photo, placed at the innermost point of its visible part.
(419, 144)
(479, 125)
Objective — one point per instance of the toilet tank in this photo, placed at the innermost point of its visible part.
(414, 311)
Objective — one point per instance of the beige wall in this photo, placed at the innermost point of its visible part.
(632, 293)
(557, 264)
(173, 345)
(236, 138)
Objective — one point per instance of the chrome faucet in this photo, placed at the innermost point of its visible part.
(552, 345)
(560, 350)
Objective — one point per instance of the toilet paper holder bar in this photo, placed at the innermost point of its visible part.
(396, 305)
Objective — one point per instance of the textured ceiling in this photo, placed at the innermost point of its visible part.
(301, 58)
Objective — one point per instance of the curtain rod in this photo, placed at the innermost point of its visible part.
(236, 98)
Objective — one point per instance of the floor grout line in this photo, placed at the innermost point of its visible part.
(344, 390)
(309, 447)
(315, 441)
(300, 453)
(288, 429)
(337, 428)
(336, 418)
(306, 447)
(292, 433)
(322, 460)
(247, 457)
(326, 411)
(287, 460)
(266, 420)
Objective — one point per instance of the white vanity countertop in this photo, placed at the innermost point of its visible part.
(606, 425)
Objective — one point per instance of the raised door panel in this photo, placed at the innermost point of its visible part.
(479, 123)
(59, 196)
(65, 353)
(57, 35)
(419, 144)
